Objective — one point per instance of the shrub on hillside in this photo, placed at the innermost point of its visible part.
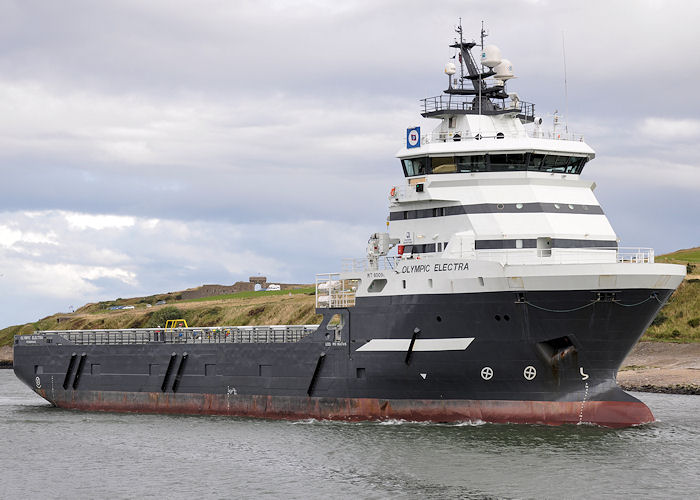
(158, 318)
(659, 320)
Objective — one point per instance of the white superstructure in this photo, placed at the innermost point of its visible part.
(491, 202)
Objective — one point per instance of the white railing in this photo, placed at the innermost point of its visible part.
(360, 265)
(192, 335)
(511, 256)
(466, 135)
(557, 135)
(568, 256)
(635, 255)
(334, 291)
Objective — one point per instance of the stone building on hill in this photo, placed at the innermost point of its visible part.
(239, 286)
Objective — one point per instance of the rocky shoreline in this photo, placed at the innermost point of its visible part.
(688, 389)
(6, 356)
(661, 367)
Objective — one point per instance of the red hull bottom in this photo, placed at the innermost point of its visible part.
(604, 413)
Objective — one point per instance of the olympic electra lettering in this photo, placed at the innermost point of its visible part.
(426, 268)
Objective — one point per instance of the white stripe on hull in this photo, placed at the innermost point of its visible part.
(451, 344)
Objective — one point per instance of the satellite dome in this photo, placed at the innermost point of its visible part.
(504, 71)
(491, 56)
(450, 69)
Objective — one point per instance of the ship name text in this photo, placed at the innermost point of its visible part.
(426, 268)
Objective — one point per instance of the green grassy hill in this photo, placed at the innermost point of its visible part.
(293, 307)
(690, 257)
(679, 319)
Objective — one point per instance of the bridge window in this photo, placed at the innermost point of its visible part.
(499, 162)
(473, 163)
(556, 163)
(415, 166)
(444, 165)
(507, 162)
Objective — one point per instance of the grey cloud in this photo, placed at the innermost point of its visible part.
(252, 126)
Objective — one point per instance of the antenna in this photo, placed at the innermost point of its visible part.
(482, 70)
(566, 87)
(461, 65)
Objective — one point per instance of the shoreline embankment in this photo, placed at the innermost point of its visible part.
(6, 356)
(663, 367)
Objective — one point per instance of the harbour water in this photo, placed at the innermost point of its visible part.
(53, 453)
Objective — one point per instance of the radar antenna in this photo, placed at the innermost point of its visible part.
(473, 91)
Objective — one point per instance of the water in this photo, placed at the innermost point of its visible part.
(53, 453)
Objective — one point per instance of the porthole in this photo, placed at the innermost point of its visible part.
(439, 319)
(571, 207)
(556, 205)
(585, 207)
(500, 135)
(497, 317)
(506, 317)
(477, 137)
(499, 206)
(519, 206)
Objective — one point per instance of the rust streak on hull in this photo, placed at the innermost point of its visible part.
(604, 413)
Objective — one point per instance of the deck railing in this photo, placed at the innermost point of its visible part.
(334, 291)
(568, 255)
(385, 263)
(196, 335)
(467, 104)
(627, 255)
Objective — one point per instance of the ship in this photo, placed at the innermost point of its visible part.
(498, 292)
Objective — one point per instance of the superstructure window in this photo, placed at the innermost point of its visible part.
(556, 163)
(443, 165)
(506, 162)
(496, 162)
(377, 285)
(472, 163)
(415, 166)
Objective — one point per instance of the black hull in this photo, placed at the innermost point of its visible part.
(574, 340)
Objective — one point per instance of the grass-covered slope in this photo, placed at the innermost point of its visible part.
(689, 257)
(679, 319)
(292, 307)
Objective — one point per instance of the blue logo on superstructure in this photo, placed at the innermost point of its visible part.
(413, 137)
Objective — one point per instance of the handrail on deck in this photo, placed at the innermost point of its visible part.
(191, 335)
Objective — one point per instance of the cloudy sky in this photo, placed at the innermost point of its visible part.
(153, 146)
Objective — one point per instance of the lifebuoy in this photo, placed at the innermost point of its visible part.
(393, 191)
